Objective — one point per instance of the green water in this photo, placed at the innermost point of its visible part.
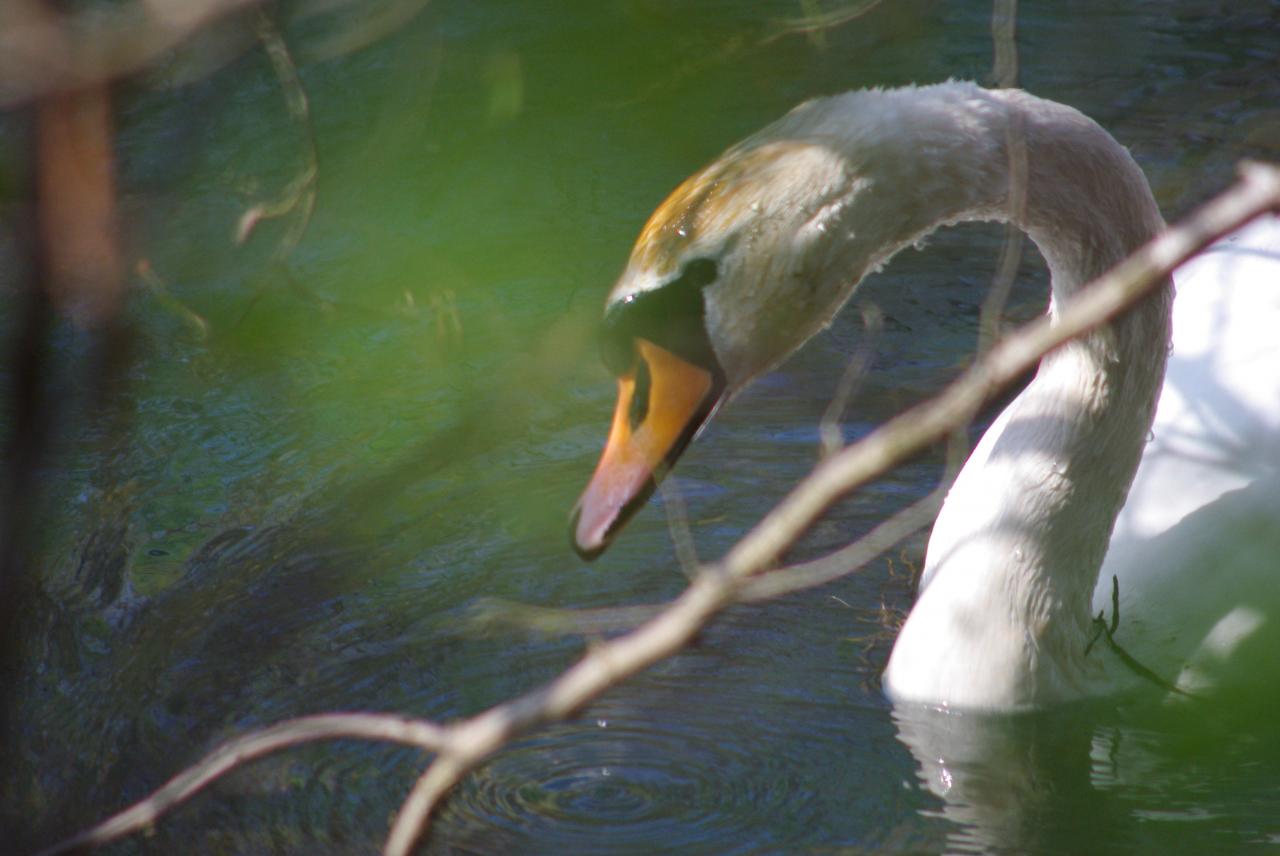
(297, 512)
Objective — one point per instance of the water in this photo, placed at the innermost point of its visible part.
(298, 513)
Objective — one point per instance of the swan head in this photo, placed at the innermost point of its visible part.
(739, 266)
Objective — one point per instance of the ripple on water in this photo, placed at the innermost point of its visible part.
(604, 787)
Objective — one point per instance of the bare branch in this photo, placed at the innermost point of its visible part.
(422, 800)
(249, 747)
(848, 559)
(492, 612)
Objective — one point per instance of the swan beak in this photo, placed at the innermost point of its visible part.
(662, 402)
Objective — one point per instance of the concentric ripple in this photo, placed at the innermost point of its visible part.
(706, 754)
(596, 787)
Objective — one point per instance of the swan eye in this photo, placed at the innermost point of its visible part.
(671, 316)
(698, 273)
(617, 352)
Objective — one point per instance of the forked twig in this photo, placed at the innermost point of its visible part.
(299, 197)
(249, 747)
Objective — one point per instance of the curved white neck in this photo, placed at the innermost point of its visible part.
(798, 214)
(1003, 616)
(772, 238)
(794, 217)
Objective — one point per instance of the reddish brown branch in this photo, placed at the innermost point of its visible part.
(76, 203)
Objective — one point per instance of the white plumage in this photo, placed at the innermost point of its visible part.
(1023, 553)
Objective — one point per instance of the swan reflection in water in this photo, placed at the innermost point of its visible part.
(1098, 777)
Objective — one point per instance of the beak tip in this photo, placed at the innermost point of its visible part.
(587, 544)
(677, 397)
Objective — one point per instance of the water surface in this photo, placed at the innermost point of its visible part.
(298, 513)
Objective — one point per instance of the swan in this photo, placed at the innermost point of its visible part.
(753, 255)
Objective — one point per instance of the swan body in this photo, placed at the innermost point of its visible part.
(1196, 549)
(754, 254)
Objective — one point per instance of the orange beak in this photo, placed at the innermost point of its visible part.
(662, 402)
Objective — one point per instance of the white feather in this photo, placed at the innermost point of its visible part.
(1023, 553)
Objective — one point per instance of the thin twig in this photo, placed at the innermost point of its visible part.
(147, 274)
(299, 198)
(249, 747)
(678, 526)
(1004, 21)
(816, 572)
(1014, 240)
(815, 23)
(1004, 38)
(792, 578)
(367, 24)
(1103, 630)
(489, 613)
(848, 559)
(830, 437)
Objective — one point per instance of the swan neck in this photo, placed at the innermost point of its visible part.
(1026, 525)
(1007, 156)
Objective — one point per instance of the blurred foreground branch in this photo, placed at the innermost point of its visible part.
(744, 573)
(76, 199)
(82, 45)
(43, 53)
